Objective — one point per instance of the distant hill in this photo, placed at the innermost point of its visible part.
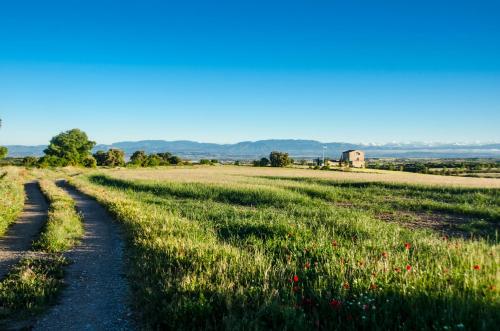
(296, 148)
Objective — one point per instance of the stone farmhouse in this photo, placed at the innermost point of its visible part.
(353, 158)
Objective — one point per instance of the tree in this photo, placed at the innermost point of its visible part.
(138, 158)
(3, 152)
(72, 147)
(279, 159)
(205, 161)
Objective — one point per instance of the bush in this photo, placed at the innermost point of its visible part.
(30, 161)
(111, 158)
(52, 161)
(3, 152)
(90, 162)
(153, 161)
(205, 161)
(174, 160)
(138, 158)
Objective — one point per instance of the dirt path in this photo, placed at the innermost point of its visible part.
(95, 298)
(20, 235)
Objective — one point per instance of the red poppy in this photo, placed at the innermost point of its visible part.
(335, 304)
(407, 245)
(308, 265)
(477, 267)
(296, 278)
(397, 269)
(384, 254)
(408, 267)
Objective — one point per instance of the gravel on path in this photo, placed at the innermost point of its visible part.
(18, 240)
(96, 294)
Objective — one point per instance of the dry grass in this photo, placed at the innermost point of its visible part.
(218, 174)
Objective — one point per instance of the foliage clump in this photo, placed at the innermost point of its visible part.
(112, 158)
(279, 159)
(141, 159)
(71, 147)
(3, 152)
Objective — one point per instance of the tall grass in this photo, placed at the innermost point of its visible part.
(11, 197)
(64, 225)
(243, 256)
(480, 206)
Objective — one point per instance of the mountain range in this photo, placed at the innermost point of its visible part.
(297, 148)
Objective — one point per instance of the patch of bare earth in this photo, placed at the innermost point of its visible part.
(448, 225)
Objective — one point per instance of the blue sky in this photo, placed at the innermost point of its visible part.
(227, 71)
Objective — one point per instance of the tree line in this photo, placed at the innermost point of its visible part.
(73, 148)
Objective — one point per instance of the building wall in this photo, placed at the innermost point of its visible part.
(356, 159)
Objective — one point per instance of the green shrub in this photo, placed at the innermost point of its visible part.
(279, 159)
(90, 162)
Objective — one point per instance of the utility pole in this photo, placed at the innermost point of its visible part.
(324, 148)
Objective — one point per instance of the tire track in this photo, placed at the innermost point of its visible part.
(20, 235)
(96, 293)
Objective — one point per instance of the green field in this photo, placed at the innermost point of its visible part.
(213, 249)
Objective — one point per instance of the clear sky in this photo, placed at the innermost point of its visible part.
(227, 71)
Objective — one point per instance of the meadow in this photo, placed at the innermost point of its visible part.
(258, 248)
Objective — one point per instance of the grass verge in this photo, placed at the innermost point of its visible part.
(33, 284)
(64, 226)
(30, 286)
(11, 197)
